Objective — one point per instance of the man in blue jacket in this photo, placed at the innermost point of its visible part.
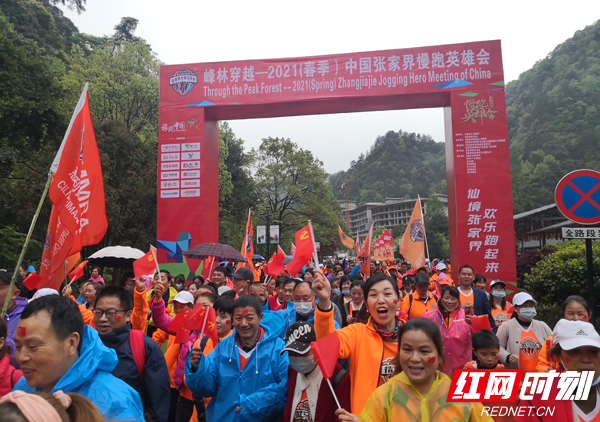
(246, 375)
(112, 313)
(474, 297)
(57, 353)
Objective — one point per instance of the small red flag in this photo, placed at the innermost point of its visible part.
(275, 266)
(305, 250)
(77, 272)
(204, 320)
(326, 352)
(32, 280)
(178, 326)
(146, 264)
(480, 322)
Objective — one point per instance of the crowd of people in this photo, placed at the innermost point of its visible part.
(113, 354)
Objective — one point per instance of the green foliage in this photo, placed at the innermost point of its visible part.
(10, 248)
(407, 165)
(553, 119)
(563, 273)
(292, 184)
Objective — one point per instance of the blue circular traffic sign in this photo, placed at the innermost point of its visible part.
(577, 196)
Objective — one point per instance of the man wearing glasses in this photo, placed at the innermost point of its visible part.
(111, 317)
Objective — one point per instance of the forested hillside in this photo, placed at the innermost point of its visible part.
(401, 164)
(554, 119)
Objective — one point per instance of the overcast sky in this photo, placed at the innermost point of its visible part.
(194, 31)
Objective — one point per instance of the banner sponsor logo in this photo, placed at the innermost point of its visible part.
(183, 80)
(169, 148)
(190, 155)
(169, 175)
(171, 184)
(416, 231)
(188, 193)
(190, 183)
(170, 157)
(192, 174)
(169, 166)
(190, 165)
(173, 193)
(193, 146)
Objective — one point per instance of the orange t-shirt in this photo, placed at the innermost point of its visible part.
(466, 299)
(245, 356)
(502, 315)
(529, 350)
(418, 307)
(390, 351)
(302, 412)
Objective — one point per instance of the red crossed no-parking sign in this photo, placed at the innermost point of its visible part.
(577, 196)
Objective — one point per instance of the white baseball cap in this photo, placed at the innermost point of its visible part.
(521, 298)
(573, 334)
(183, 297)
(441, 266)
(223, 289)
(499, 281)
(43, 292)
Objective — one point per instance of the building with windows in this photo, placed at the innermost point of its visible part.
(390, 213)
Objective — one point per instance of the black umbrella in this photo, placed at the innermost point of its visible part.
(217, 250)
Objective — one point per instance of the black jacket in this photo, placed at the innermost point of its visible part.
(339, 301)
(155, 391)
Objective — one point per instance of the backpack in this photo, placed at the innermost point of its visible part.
(410, 300)
(138, 349)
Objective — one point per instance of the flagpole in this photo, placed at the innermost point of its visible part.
(424, 232)
(26, 244)
(153, 250)
(312, 233)
(333, 392)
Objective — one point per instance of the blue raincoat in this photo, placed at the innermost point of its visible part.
(90, 376)
(260, 390)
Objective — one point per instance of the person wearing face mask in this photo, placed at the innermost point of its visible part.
(335, 287)
(357, 302)
(574, 308)
(303, 306)
(309, 397)
(502, 309)
(575, 347)
(242, 279)
(343, 298)
(179, 282)
(521, 338)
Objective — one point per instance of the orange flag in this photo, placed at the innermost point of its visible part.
(365, 252)
(346, 241)
(78, 215)
(146, 264)
(412, 245)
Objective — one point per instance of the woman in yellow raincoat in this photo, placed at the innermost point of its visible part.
(419, 392)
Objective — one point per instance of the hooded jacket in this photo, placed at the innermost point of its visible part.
(155, 388)
(12, 321)
(90, 376)
(9, 376)
(457, 338)
(260, 390)
(398, 400)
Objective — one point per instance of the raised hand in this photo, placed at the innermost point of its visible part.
(140, 284)
(322, 289)
(66, 291)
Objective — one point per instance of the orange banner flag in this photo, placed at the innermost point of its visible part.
(346, 241)
(412, 245)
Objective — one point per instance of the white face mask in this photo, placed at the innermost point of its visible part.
(303, 365)
(528, 313)
(303, 308)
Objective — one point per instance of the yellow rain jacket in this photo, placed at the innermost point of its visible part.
(398, 400)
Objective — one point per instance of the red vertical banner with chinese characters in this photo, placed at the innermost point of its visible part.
(479, 186)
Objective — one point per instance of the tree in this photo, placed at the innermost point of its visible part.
(291, 184)
(436, 220)
(77, 5)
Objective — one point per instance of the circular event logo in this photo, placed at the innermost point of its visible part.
(416, 231)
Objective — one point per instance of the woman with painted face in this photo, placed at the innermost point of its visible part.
(575, 347)
(521, 337)
(422, 387)
(357, 302)
(574, 308)
(456, 331)
(371, 347)
(502, 309)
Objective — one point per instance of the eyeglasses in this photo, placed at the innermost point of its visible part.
(110, 314)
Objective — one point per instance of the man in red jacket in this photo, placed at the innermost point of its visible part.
(309, 397)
